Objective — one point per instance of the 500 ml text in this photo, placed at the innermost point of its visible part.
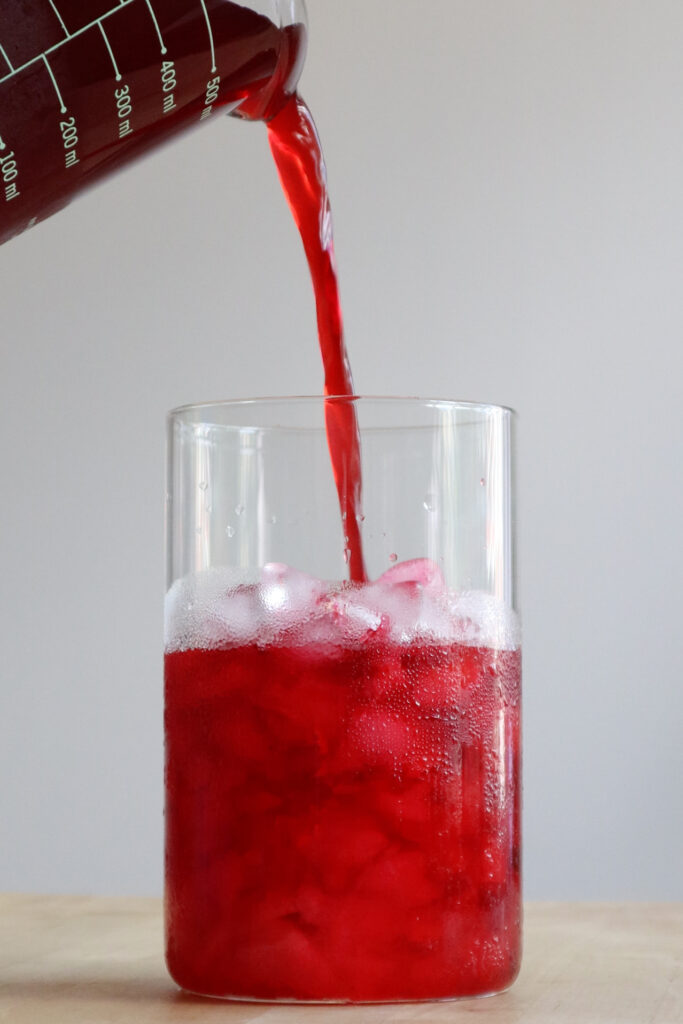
(212, 88)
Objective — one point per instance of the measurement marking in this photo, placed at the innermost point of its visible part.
(54, 82)
(156, 25)
(2, 142)
(111, 52)
(208, 25)
(78, 32)
(66, 31)
(8, 62)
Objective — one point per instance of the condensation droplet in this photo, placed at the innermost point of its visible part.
(272, 520)
(230, 530)
(203, 485)
(393, 557)
(483, 481)
(428, 503)
(239, 510)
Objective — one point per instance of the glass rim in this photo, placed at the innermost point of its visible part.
(451, 403)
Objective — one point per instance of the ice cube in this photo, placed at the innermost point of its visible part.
(416, 570)
(409, 601)
(288, 597)
(409, 609)
(482, 620)
(209, 608)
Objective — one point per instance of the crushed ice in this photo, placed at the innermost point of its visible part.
(410, 601)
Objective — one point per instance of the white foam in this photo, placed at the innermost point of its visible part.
(219, 607)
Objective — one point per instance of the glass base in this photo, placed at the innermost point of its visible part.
(343, 1002)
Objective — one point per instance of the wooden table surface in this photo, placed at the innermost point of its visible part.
(85, 960)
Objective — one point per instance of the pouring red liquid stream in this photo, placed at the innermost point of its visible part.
(296, 148)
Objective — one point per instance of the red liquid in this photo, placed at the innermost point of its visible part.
(85, 96)
(343, 822)
(298, 155)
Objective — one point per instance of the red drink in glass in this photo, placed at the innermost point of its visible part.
(343, 814)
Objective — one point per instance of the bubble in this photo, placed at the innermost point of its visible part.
(239, 510)
(230, 530)
(393, 557)
(429, 503)
(272, 520)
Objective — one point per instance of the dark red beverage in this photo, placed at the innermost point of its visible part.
(343, 818)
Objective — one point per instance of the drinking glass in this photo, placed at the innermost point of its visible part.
(342, 759)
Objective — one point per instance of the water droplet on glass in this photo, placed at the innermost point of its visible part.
(239, 510)
(361, 518)
(272, 520)
(483, 481)
(428, 503)
(203, 485)
(393, 557)
(230, 530)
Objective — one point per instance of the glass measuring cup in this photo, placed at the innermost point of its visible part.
(86, 86)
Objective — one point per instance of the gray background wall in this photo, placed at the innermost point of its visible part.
(506, 180)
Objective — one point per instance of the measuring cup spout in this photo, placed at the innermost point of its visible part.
(263, 105)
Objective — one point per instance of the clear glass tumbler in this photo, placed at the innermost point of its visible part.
(342, 759)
